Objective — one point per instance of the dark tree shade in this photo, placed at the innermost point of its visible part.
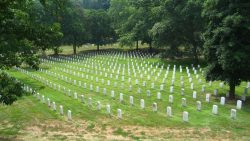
(227, 44)
(10, 89)
(99, 28)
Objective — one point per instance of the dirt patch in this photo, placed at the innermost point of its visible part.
(84, 130)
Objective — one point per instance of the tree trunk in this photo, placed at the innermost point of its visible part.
(150, 47)
(137, 45)
(231, 90)
(44, 53)
(98, 47)
(74, 48)
(56, 51)
(195, 55)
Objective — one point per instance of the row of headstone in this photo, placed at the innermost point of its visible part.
(239, 103)
(169, 113)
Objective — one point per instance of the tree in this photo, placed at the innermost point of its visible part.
(22, 35)
(50, 18)
(180, 25)
(10, 89)
(193, 24)
(96, 4)
(227, 45)
(99, 28)
(74, 26)
(133, 20)
(16, 45)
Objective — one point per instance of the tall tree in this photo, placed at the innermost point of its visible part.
(74, 26)
(180, 25)
(227, 47)
(100, 28)
(134, 20)
(16, 44)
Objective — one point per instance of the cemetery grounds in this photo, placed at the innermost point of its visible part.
(86, 83)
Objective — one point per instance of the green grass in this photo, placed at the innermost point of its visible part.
(28, 109)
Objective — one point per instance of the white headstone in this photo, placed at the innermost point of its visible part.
(203, 88)
(43, 99)
(104, 91)
(185, 116)
(215, 109)
(82, 98)
(119, 113)
(48, 100)
(98, 105)
(182, 91)
(97, 89)
(131, 100)
(161, 87)
(61, 109)
(69, 115)
(158, 95)
(198, 105)
(171, 99)
(152, 85)
(182, 84)
(171, 89)
(169, 111)
(194, 94)
(207, 97)
(215, 92)
(121, 97)
(90, 102)
(190, 80)
(130, 88)
(113, 94)
(54, 106)
(142, 104)
(139, 90)
(239, 104)
(233, 113)
(75, 95)
(136, 82)
(210, 83)
(91, 87)
(69, 92)
(148, 93)
(192, 86)
(183, 102)
(38, 96)
(108, 109)
(222, 100)
(221, 85)
(154, 107)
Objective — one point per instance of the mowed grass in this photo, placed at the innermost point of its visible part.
(28, 109)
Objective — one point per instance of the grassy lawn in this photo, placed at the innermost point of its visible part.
(28, 118)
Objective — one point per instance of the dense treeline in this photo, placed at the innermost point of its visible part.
(216, 29)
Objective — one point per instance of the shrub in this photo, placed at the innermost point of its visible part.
(10, 89)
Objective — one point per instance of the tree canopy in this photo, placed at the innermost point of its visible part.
(227, 47)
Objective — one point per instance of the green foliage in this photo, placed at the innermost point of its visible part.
(179, 23)
(133, 20)
(10, 89)
(226, 44)
(74, 26)
(95, 4)
(99, 27)
(24, 32)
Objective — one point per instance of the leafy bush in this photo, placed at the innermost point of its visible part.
(10, 89)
